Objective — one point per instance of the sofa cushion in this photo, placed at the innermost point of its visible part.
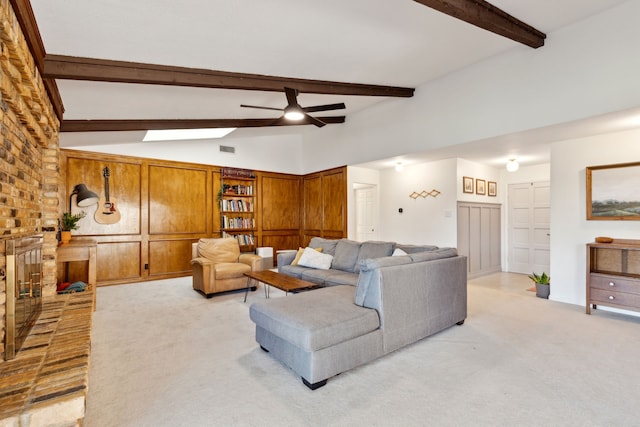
(296, 260)
(328, 245)
(219, 250)
(292, 270)
(346, 255)
(367, 268)
(314, 259)
(317, 276)
(398, 252)
(434, 254)
(371, 250)
(412, 249)
(230, 270)
(298, 320)
(341, 278)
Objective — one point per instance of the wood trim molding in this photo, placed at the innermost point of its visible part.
(76, 68)
(489, 17)
(135, 125)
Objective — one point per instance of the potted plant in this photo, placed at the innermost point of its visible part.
(69, 222)
(543, 284)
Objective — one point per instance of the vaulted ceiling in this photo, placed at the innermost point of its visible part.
(127, 65)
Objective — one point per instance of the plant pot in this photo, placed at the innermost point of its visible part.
(542, 290)
(65, 237)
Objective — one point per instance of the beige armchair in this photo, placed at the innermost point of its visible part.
(218, 266)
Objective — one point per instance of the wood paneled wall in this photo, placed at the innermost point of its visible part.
(166, 206)
(325, 205)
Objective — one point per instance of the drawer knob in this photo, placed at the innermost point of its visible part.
(611, 297)
(611, 284)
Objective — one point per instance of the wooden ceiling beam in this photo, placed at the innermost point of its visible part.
(76, 68)
(488, 17)
(139, 125)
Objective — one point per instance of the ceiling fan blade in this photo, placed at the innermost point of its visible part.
(314, 121)
(327, 107)
(262, 108)
(292, 96)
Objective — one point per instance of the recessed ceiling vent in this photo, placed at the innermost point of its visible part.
(227, 149)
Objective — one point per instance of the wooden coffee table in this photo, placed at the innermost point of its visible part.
(277, 280)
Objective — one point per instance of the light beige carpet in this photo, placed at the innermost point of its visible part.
(162, 355)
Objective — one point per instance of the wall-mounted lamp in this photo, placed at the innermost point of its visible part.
(84, 196)
(399, 167)
(512, 165)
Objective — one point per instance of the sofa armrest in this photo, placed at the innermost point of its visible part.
(253, 261)
(418, 299)
(202, 261)
(286, 257)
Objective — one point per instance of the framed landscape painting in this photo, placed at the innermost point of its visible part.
(481, 187)
(613, 192)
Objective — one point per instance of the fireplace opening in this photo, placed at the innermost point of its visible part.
(23, 290)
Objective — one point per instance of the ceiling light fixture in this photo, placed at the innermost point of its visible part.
(513, 165)
(399, 167)
(182, 134)
(293, 113)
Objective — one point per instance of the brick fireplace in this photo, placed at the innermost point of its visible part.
(29, 171)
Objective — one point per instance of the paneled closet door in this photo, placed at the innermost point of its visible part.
(529, 227)
(479, 228)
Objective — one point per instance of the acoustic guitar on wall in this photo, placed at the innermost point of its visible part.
(107, 213)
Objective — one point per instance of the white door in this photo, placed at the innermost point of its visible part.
(529, 227)
(366, 208)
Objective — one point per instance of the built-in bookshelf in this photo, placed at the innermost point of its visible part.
(237, 206)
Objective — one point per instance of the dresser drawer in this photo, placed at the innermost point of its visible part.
(614, 283)
(601, 296)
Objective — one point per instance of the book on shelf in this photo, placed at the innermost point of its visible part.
(243, 239)
(235, 205)
(238, 222)
(237, 173)
(238, 189)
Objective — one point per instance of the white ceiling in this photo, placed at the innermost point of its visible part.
(390, 42)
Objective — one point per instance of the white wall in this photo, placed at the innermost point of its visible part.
(584, 70)
(570, 230)
(478, 171)
(276, 154)
(430, 220)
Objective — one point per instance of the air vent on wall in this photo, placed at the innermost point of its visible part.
(227, 149)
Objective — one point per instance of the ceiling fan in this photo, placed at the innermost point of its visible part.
(294, 112)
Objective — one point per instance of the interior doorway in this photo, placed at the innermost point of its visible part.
(366, 210)
(529, 227)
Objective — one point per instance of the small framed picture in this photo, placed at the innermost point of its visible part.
(481, 188)
(492, 189)
(467, 184)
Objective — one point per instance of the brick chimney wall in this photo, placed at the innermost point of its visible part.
(29, 155)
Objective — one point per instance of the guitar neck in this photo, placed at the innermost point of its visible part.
(106, 188)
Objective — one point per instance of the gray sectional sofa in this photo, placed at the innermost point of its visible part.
(371, 305)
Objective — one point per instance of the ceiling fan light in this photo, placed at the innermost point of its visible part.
(293, 113)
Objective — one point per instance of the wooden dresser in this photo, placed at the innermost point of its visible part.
(613, 275)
